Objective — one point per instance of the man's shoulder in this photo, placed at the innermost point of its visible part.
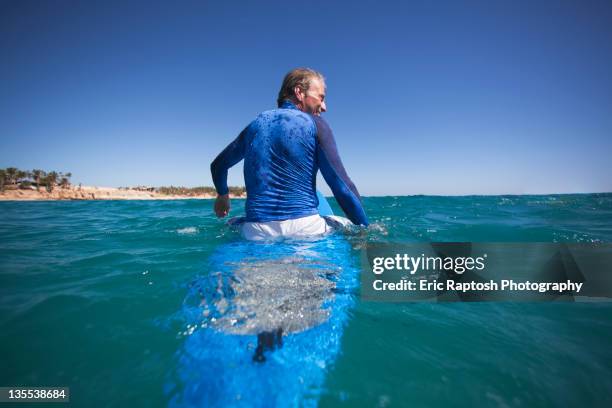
(277, 114)
(321, 124)
(291, 115)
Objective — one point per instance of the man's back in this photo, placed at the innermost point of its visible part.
(280, 166)
(283, 149)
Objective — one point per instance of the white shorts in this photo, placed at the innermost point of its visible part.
(313, 225)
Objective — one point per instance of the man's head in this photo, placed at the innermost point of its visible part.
(304, 87)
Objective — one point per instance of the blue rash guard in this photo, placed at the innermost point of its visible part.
(283, 149)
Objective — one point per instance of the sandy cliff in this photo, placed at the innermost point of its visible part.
(92, 193)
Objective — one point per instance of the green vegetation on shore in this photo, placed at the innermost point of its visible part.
(195, 191)
(13, 178)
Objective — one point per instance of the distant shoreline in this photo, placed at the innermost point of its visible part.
(76, 193)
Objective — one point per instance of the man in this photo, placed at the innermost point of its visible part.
(283, 149)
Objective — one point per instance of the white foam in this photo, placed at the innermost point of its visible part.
(187, 230)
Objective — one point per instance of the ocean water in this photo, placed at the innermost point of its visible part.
(158, 303)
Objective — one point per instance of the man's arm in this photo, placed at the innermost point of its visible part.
(335, 175)
(231, 155)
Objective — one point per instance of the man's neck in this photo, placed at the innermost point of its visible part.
(289, 104)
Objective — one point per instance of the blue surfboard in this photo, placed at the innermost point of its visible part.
(324, 208)
(264, 323)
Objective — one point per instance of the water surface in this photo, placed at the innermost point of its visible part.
(95, 295)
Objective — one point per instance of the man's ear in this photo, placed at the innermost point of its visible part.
(299, 94)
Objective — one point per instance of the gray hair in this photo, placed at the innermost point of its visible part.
(298, 77)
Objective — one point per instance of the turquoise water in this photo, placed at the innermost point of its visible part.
(99, 296)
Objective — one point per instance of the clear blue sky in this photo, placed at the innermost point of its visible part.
(427, 97)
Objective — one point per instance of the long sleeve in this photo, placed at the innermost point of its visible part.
(231, 155)
(335, 175)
